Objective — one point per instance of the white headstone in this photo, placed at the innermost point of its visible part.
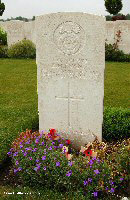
(70, 50)
(15, 29)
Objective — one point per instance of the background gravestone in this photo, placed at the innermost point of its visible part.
(70, 56)
(15, 31)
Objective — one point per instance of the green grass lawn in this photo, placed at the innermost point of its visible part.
(117, 85)
(19, 103)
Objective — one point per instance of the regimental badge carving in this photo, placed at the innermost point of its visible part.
(69, 37)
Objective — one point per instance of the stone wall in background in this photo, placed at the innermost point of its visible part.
(18, 30)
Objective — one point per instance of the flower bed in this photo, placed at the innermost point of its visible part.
(47, 159)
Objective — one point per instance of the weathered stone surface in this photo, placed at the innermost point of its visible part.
(70, 71)
(15, 31)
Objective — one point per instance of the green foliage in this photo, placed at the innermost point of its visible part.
(33, 18)
(108, 18)
(2, 8)
(116, 123)
(3, 37)
(3, 51)
(112, 54)
(128, 17)
(113, 6)
(22, 49)
(122, 161)
(21, 19)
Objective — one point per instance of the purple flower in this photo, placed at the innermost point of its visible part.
(107, 188)
(9, 153)
(45, 151)
(61, 145)
(22, 151)
(94, 158)
(35, 149)
(57, 163)
(37, 141)
(95, 194)
(69, 173)
(43, 157)
(111, 182)
(21, 146)
(90, 180)
(85, 182)
(97, 171)
(15, 154)
(70, 163)
(121, 179)
(40, 136)
(17, 162)
(50, 148)
(25, 153)
(37, 160)
(20, 168)
(44, 168)
(15, 170)
(112, 190)
(36, 169)
(28, 142)
(20, 143)
(90, 162)
(38, 166)
(27, 149)
(30, 158)
(11, 149)
(53, 142)
(42, 143)
(98, 160)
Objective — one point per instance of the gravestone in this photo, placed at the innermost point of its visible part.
(70, 56)
(15, 30)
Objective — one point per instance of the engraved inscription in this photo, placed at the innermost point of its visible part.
(72, 68)
(69, 37)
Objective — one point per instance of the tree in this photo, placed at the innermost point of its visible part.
(2, 8)
(113, 6)
(33, 18)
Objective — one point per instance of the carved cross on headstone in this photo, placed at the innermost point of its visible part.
(69, 98)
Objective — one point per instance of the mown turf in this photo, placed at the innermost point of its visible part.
(117, 85)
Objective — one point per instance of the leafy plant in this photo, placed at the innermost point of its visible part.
(22, 49)
(3, 37)
(3, 51)
(116, 123)
(113, 6)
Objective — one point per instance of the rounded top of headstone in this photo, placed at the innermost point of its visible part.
(88, 15)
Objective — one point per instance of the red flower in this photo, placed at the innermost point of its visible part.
(52, 132)
(68, 142)
(88, 152)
